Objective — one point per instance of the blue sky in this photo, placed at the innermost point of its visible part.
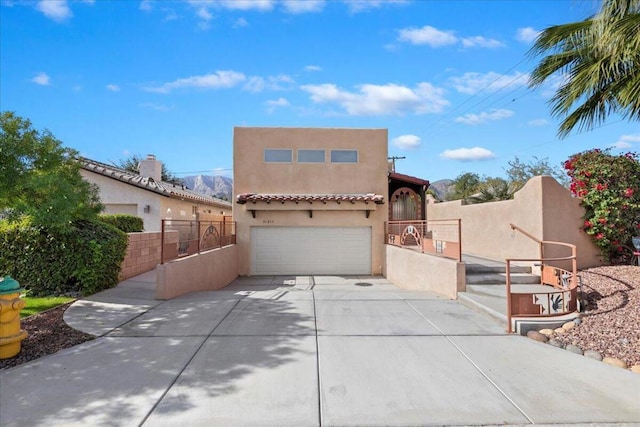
(448, 79)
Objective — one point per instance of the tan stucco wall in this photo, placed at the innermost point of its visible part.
(413, 270)
(205, 271)
(542, 207)
(120, 197)
(253, 175)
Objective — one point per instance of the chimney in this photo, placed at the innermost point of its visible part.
(151, 168)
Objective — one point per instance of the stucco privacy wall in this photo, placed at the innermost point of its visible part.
(206, 271)
(413, 270)
(542, 207)
(253, 175)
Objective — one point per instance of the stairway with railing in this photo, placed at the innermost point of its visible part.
(511, 292)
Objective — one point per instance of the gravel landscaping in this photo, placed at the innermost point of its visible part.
(609, 322)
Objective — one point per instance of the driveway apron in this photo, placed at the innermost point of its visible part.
(306, 351)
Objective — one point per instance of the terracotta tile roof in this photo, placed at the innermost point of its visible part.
(321, 198)
(408, 179)
(163, 188)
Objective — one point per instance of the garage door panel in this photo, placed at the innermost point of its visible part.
(311, 250)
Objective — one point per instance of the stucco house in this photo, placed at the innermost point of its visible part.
(310, 200)
(147, 196)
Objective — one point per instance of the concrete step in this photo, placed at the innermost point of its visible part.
(492, 300)
(483, 268)
(475, 264)
(501, 278)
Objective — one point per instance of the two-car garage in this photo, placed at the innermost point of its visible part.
(310, 250)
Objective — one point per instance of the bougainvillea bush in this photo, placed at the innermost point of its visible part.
(609, 186)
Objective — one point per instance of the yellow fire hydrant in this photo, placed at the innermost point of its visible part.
(10, 306)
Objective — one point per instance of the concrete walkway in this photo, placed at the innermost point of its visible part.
(306, 351)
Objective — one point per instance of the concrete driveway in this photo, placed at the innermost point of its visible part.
(306, 351)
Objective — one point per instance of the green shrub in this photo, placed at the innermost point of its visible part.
(126, 223)
(82, 258)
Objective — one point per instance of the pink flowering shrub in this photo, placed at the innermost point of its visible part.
(609, 186)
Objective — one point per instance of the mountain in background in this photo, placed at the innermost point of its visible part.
(222, 187)
(441, 188)
(215, 186)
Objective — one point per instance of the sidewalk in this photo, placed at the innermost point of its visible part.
(306, 351)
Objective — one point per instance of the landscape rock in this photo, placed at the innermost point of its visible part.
(556, 343)
(547, 332)
(577, 321)
(615, 362)
(568, 326)
(635, 368)
(592, 354)
(559, 330)
(574, 349)
(537, 336)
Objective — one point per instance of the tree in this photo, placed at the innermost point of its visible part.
(494, 190)
(39, 178)
(609, 187)
(599, 59)
(464, 186)
(520, 172)
(131, 164)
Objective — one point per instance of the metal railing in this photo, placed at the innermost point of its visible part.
(182, 238)
(560, 300)
(436, 236)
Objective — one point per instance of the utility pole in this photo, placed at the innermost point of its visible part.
(393, 161)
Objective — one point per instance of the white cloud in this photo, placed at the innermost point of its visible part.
(258, 84)
(260, 5)
(145, 5)
(538, 122)
(297, 6)
(479, 41)
(205, 18)
(217, 80)
(427, 35)
(170, 14)
(158, 107)
(113, 88)
(472, 83)
(312, 68)
(280, 102)
(57, 10)
(468, 154)
(626, 141)
(375, 100)
(240, 23)
(204, 14)
(406, 142)
(276, 103)
(526, 34)
(552, 84)
(356, 6)
(478, 119)
(41, 79)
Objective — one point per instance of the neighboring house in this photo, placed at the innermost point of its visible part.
(146, 196)
(309, 200)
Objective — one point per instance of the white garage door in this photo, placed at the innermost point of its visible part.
(310, 250)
